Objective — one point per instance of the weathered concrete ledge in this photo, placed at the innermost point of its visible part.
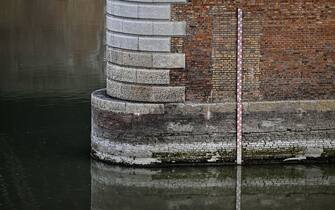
(205, 133)
(100, 101)
(289, 106)
(145, 93)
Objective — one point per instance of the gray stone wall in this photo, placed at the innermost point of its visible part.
(139, 57)
(178, 133)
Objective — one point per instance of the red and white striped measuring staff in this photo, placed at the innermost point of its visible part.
(239, 87)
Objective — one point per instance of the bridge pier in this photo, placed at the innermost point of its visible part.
(167, 98)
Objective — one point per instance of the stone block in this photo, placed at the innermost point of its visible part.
(132, 42)
(145, 93)
(137, 93)
(114, 24)
(101, 101)
(126, 42)
(137, 27)
(145, 27)
(168, 60)
(113, 88)
(139, 59)
(114, 56)
(136, 75)
(119, 73)
(125, 9)
(108, 6)
(110, 40)
(169, 94)
(142, 108)
(154, 44)
(146, 59)
(153, 76)
(169, 28)
(154, 11)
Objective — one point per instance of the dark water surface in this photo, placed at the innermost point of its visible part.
(51, 54)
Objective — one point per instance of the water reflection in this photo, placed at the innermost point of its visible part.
(258, 187)
(51, 56)
(50, 48)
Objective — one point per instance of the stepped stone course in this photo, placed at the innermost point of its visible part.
(145, 59)
(147, 93)
(136, 75)
(145, 27)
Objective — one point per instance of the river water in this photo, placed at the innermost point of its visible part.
(51, 55)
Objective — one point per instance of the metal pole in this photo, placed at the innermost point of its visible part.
(239, 87)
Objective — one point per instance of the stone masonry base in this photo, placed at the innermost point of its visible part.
(150, 134)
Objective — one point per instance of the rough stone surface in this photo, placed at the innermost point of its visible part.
(122, 8)
(145, 27)
(101, 101)
(136, 75)
(145, 59)
(120, 73)
(294, 107)
(134, 92)
(133, 42)
(204, 136)
(153, 76)
(154, 11)
(154, 44)
(161, 60)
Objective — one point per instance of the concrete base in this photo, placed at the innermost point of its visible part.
(205, 133)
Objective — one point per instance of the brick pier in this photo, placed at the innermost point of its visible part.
(171, 82)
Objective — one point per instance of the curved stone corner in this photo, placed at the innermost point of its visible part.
(138, 51)
(138, 9)
(184, 133)
(145, 59)
(145, 27)
(101, 101)
(145, 93)
(138, 75)
(133, 42)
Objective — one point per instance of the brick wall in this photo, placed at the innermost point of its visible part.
(289, 49)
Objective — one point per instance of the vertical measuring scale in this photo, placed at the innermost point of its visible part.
(239, 87)
(238, 187)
